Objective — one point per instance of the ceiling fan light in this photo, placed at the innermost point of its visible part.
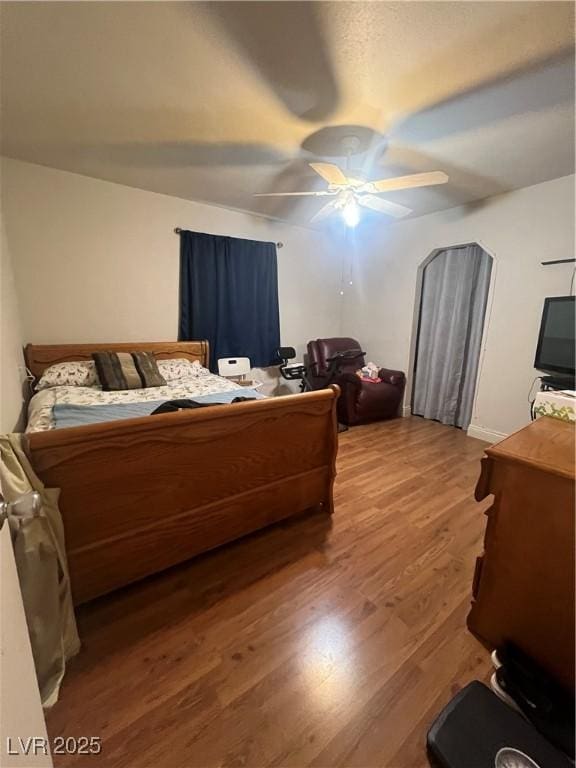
(351, 213)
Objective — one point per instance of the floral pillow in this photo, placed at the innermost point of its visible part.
(180, 368)
(74, 374)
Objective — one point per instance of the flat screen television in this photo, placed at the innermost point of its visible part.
(555, 350)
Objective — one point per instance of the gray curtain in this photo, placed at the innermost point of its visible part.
(454, 295)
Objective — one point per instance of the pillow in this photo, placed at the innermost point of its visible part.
(147, 367)
(74, 374)
(127, 370)
(180, 368)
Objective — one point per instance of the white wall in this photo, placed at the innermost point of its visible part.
(97, 261)
(12, 374)
(519, 229)
(21, 714)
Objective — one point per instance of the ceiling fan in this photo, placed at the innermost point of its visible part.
(348, 192)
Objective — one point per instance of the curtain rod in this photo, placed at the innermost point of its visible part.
(178, 230)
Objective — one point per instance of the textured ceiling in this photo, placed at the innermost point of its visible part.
(216, 101)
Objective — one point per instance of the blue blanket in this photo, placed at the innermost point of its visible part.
(80, 415)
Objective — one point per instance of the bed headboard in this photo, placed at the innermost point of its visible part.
(41, 356)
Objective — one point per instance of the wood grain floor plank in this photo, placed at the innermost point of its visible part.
(320, 641)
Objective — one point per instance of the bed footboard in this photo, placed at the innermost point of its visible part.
(140, 495)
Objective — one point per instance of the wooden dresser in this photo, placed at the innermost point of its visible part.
(523, 588)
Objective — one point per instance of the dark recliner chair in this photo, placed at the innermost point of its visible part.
(360, 401)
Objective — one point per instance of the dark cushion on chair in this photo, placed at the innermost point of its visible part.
(322, 349)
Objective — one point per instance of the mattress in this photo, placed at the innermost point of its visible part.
(60, 407)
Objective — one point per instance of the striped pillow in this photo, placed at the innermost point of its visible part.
(127, 370)
(148, 369)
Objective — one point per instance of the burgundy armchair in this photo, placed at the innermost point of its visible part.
(360, 401)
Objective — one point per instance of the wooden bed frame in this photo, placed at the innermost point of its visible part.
(139, 495)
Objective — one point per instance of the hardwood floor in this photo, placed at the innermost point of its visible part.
(321, 641)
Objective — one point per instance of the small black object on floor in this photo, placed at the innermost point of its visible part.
(476, 724)
(549, 708)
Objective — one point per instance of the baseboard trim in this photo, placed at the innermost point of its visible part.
(479, 433)
(488, 435)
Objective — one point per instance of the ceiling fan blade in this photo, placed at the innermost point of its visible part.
(384, 206)
(327, 210)
(264, 33)
(330, 173)
(319, 193)
(408, 182)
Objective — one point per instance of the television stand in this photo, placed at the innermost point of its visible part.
(556, 383)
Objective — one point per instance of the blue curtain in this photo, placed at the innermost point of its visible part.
(229, 295)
